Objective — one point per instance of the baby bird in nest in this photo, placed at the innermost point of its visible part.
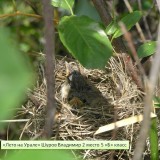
(73, 86)
(76, 90)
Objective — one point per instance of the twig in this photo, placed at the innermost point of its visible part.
(145, 21)
(128, 38)
(132, 71)
(137, 24)
(18, 13)
(121, 123)
(49, 50)
(33, 99)
(101, 8)
(14, 120)
(134, 74)
(154, 72)
(28, 123)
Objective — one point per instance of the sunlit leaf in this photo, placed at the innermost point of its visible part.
(129, 21)
(85, 40)
(15, 75)
(147, 49)
(112, 28)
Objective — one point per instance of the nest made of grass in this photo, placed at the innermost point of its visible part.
(123, 99)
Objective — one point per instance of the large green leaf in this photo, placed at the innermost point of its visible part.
(129, 21)
(146, 49)
(85, 40)
(15, 75)
(41, 155)
(65, 4)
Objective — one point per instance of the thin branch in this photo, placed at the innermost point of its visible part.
(145, 21)
(128, 38)
(101, 8)
(137, 78)
(14, 120)
(18, 13)
(154, 72)
(49, 50)
(132, 71)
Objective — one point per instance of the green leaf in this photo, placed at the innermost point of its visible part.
(146, 49)
(112, 28)
(15, 75)
(158, 105)
(86, 8)
(157, 101)
(154, 139)
(65, 4)
(85, 40)
(146, 5)
(129, 21)
(41, 155)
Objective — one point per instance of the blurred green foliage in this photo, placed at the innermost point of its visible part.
(15, 74)
(41, 155)
(27, 30)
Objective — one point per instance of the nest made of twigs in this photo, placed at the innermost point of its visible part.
(122, 99)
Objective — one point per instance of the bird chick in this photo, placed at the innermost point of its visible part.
(74, 84)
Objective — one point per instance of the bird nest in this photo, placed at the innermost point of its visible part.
(120, 99)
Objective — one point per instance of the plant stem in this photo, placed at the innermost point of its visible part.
(49, 49)
(70, 8)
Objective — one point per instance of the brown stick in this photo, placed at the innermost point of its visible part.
(128, 38)
(49, 50)
(18, 13)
